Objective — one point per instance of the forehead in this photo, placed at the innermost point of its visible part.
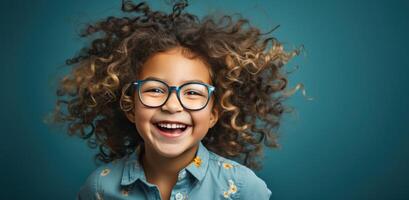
(175, 68)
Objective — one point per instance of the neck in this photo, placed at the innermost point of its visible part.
(159, 167)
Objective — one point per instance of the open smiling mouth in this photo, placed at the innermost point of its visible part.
(171, 130)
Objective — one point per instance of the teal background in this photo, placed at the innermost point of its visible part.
(350, 142)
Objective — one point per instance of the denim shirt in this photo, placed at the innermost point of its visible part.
(208, 176)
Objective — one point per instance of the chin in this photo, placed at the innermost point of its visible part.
(171, 150)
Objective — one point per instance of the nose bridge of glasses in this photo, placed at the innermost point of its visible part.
(176, 89)
(173, 88)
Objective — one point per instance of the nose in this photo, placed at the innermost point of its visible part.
(172, 105)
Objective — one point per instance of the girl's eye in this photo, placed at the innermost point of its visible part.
(154, 90)
(191, 92)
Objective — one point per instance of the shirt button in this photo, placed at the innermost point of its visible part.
(178, 196)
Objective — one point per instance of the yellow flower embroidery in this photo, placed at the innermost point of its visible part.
(227, 165)
(226, 195)
(197, 161)
(232, 189)
(105, 172)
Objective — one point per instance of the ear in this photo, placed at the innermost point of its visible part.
(214, 116)
(130, 115)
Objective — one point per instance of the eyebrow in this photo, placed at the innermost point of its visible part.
(185, 81)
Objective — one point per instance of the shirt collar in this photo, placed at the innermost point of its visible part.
(133, 169)
(198, 167)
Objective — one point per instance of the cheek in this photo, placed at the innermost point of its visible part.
(202, 118)
(142, 115)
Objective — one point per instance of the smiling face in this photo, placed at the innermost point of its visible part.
(175, 69)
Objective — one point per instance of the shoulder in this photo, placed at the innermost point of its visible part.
(242, 182)
(106, 176)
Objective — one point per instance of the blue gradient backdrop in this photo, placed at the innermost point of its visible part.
(351, 142)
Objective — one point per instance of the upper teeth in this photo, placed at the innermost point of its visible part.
(166, 125)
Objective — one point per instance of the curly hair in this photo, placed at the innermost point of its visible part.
(246, 68)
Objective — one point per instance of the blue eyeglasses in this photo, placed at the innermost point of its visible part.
(191, 95)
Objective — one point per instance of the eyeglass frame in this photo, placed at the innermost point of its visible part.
(210, 90)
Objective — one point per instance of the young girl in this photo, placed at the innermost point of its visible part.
(179, 107)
